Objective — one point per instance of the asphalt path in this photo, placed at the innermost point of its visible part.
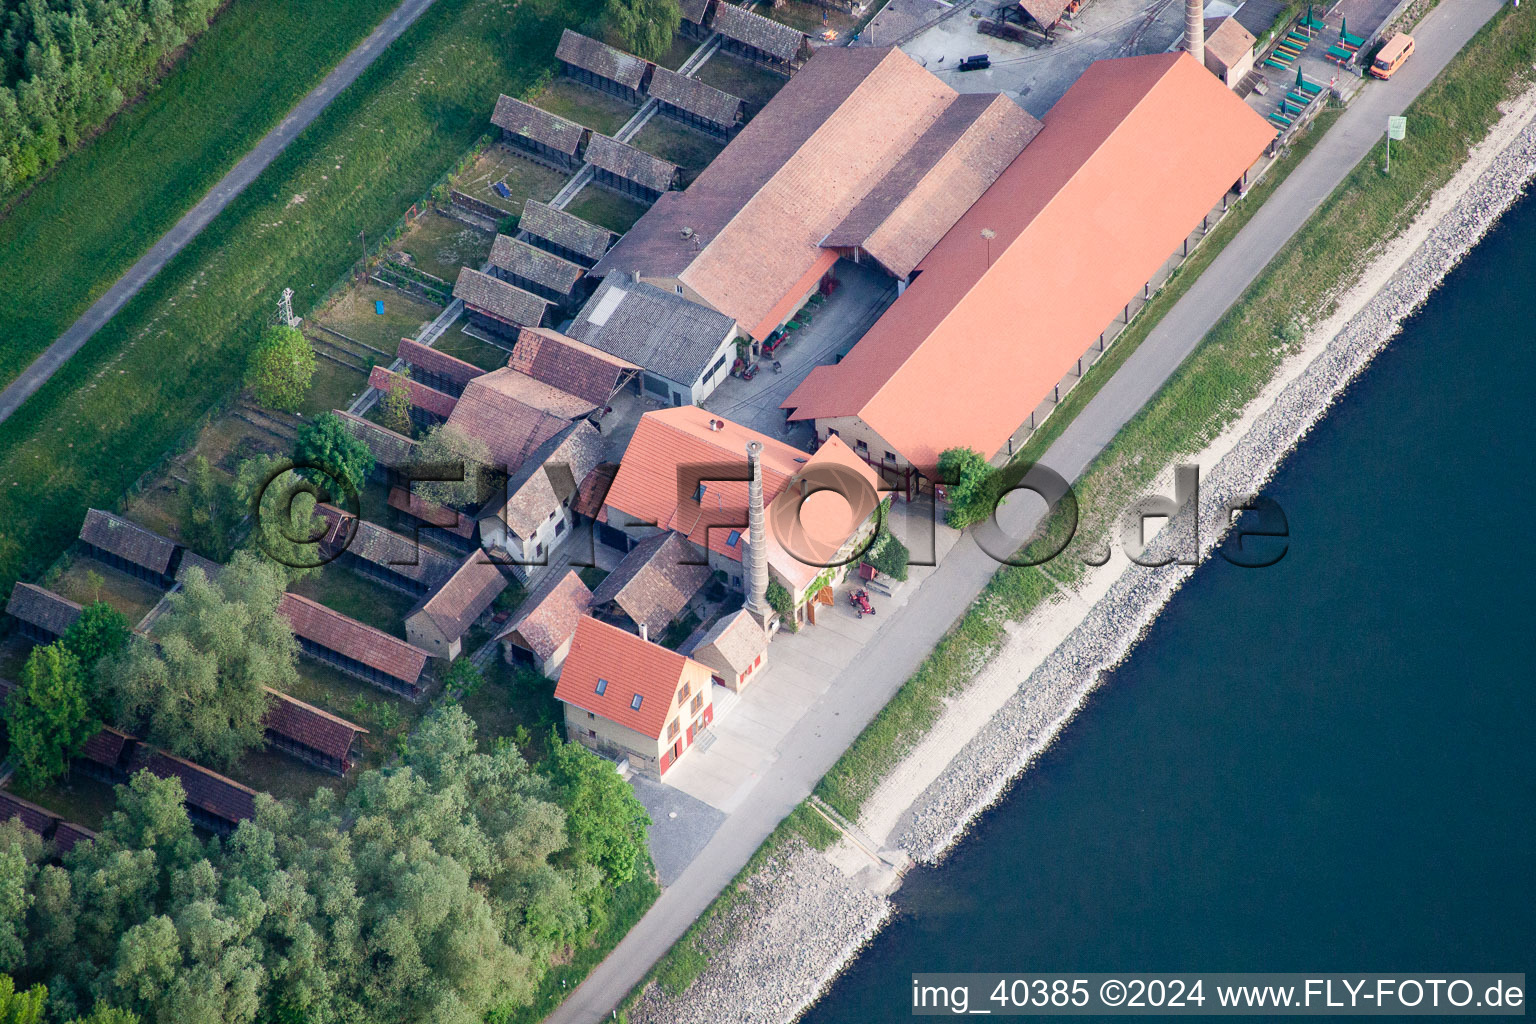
(211, 205)
(907, 636)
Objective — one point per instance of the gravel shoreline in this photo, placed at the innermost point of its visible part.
(803, 920)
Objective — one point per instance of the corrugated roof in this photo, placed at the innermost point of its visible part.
(513, 414)
(1130, 159)
(601, 59)
(549, 615)
(419, 356)
(631, 666)
(773, 38)
(746, 235)
(42, 608)
(651, 327)
(655, 581)
(392, 450)
(630, 163)
(541, 126)
(128, 540)
(205, 790)
(504, 301)
(535, 264)
(570, 365)
(422, 397)
(565, 230)
(455, 606)
(936, 181)
(303, 723)
(334, 631)
(694, 96)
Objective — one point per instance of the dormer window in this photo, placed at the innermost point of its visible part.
(698, 492)
(634, 705)
(733, 538)
(602, 687)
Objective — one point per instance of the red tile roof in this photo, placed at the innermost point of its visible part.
(35, 818)
(106, 747)
(655, 581)
(513, 414)
(755, 217)
(422, 397)
(205, 790)
(455, 606)
(570, 365)
(319, 730)
(334, 631)
(548, 617)
(419, 356)
(648, 488)
(67, 834)
(431, 513)
(631, 666)
(1130, 159)
(593, 493)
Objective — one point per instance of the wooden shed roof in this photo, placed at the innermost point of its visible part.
(570, 365)
(128, 540)
(455, 606)
(548, 617)
(422, 357)
(536, 265)
(36, 819)
(304, 723)
(771, 37)
(334, 631)
(695, 11)
(373, 543)
(541, 126)
(655, 581)
(695, 97)
(631, 164)
(395, 451)
(513, 414)
(431, 513)
(421, 396)
(42, 608)
(106, 747)
(601, 59)
(504, 301)
(205, 789)
(565, 230)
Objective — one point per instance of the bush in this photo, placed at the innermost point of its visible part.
(328, 444)
(281, 368)
(968, 480)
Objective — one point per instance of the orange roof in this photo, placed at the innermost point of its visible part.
(513, 414)
(1130, 159)
(648, 488)
(629, 667)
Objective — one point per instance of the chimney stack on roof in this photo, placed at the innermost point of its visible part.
(1194, 29)
(756, 562)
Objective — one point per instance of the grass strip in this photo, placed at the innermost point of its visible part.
(1233, 364)
(141, 387)
(84, 224)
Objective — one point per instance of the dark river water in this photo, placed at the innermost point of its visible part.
(1326, 765)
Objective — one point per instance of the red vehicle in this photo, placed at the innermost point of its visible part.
(860, 601)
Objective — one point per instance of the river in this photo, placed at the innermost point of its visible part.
(1326, 765)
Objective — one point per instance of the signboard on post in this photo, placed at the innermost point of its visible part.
(1397, 128)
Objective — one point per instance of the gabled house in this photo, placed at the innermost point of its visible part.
(572, 366)
(758, 38)
(539, 635)
(630, 171)
(596, 64)
(552, 278)
(735, 649)
(539, 135)
(371, 655)
(537, 517)
(313, 736)
(629, 699)
(514, 415)
(42, 615)
(653, 584)
(438, 624)
(697, 105)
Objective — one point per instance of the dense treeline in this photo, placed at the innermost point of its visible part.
(437, 890)
(68, 65)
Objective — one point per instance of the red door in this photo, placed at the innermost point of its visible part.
(690, 735)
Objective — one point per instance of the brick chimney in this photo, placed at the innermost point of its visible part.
(757, 539)
(1194, 29)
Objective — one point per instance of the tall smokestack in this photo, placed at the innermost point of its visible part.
(1194, 29)
(757, 538)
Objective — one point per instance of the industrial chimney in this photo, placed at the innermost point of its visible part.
(757, 539)
(1194, 29)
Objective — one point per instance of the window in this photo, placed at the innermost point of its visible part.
(672, 729)
(698, 492)
(890, 456)
(758, 662)
(831, 431)
(602, 687)
(682, 695)
(634, 705)
(593, 717)
(553, 513)
(559, 527)
(861, 446)
(733, 538)
(698, 702)
(716, 367)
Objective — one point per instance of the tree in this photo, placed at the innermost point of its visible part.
(211, 511)
(605, 820)
(21, 1007)
(444, 452)
(48, 718)
(968, 483)
(100, 632)
(20, 850)
(285, 529)
(328, 444)
(464, 677)
(280, 369)
(395, 407)
(200, 691)
(103, 1014)
(646, 28)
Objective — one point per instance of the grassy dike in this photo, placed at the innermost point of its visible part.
(1205, 395)
(74, 232)
(177, 351)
